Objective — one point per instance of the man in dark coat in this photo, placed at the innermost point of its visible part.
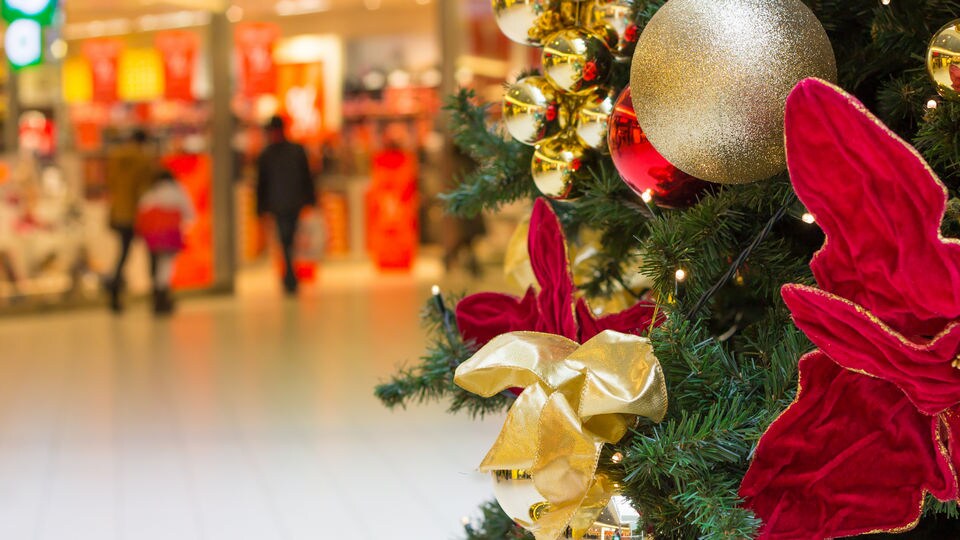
(284, 187)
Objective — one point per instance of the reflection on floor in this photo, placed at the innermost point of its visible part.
(241, 418)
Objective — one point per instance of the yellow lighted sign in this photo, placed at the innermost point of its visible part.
(140, 75)
(77, 81)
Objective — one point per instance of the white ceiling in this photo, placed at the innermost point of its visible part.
(87, 10)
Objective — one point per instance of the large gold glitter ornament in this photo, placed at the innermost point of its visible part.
(710, 79)
(530, 109)
(943, 60)
(558, 166)
(576, 60)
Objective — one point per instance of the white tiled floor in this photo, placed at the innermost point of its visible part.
(241, 418)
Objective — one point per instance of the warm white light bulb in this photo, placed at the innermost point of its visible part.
(932, 104)
(647, 196)
(808, 218)
(435, 290)
(681, 275)
(885, 2)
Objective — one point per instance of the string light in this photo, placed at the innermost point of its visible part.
(616, 458)
(647, 196)
(465, 520)
(808, 218)
(435, 290)
(933, 104)
(885, 2)
(681, 275)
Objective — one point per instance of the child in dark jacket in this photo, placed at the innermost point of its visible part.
(162, 214)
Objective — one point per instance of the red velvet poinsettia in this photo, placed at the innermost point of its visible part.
(484, 316)
(875, 424)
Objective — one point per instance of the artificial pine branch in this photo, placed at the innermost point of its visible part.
(503, 172)
(432, 378)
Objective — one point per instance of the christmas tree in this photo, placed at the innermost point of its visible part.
(715, 262)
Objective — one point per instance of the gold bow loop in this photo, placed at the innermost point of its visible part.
(576, 398)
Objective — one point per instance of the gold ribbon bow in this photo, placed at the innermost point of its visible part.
(576, 398)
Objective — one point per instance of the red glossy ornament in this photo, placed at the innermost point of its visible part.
(647, 172)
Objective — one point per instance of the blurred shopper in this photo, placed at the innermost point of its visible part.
(164, 212)
(284, 188)
(130, 172)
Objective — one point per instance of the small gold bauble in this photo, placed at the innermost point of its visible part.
(530, 109)
(517, 19)
(518, 496)
(710, 79)
(519, 499)
(559, 167)
(576, 60)
(943, 60)
(593, 116)
(614, 17)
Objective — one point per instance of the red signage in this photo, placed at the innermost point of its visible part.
(255, 42)
(392, 203)
(301, 100)
(103, 55)
(179, 50)
(193, 268)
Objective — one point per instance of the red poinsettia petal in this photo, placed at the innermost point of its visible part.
(484, 316)
(880, 206)
(851, 337)
(950, 428)
(548, 257)
(852, 455)
(635, 320)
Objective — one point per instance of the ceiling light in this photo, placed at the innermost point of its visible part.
(234, 14)
(298, 7)
(58, 49)
(92, 29)
(179, 19)
(431, 78)
(398, 78)
(374, 80)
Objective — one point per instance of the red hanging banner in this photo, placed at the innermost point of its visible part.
(179, 50)
(104, 56)
(255, 42)
(300, 91)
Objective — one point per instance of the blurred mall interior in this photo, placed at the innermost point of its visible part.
(247, 414)
(354, 78)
